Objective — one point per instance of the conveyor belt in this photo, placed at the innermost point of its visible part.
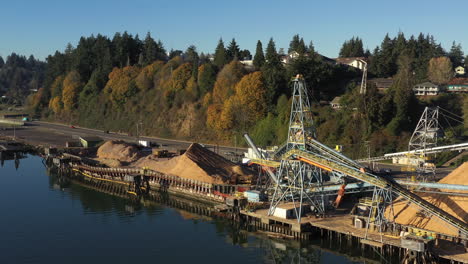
(380, 182)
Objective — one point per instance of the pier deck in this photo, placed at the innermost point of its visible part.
(342, 224)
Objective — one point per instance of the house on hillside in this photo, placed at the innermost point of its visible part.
(459, 70)
(248, 64)
(426, 88)
(287, 58)
(335, 103)
(458, 85)
(382, 84)
(356, 62)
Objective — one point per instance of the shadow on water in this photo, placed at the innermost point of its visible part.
(273, 250)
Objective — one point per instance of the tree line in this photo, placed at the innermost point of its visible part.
(116, 83)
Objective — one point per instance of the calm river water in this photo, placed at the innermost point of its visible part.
(47, 220)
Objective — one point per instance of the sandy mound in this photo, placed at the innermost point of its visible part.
(119, 150)
(113, 163)
(198, 163)
(452, 204)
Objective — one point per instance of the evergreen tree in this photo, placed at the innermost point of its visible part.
(220, 58)
(175, 53)
(193, 58)
(273, 73)
(150, 50)
(404, 97)
(232, 51)
(2, 62)
(245, 55)
(352, 48)
(456, 55)
(297, 44)
(259, 58)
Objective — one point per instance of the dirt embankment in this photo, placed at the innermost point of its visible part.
(455, 205)
(201, 164)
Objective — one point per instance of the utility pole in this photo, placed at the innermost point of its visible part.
(364, 77)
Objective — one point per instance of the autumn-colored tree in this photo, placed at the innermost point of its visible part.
(212, 116)
(180, 77)
(162, 79)
(192, 89)
(121, 84)
(207, 99)
(71, 90)
(56, 104)
(57, 86)
(226, 80)
(251, 94)
(440, 70)
(144, 80)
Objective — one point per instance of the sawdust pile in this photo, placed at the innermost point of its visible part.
(118, 150)
(198, 163)
(455, 205)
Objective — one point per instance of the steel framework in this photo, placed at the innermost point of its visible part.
(424, 137)
(294, 178)
(381, 200)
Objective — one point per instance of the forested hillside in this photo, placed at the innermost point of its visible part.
(115, 84)
(19, 76)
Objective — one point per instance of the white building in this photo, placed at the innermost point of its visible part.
(426, 88)
(285, 59)
(460, 70)
(288, 210)
(356, 62)
(335, 103)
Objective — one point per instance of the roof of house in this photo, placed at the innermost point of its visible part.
(458, 81)
(336, 100)
(381, 82)
(426, 84)
(459, 67)
(348, 60)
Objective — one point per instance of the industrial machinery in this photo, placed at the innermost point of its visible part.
(299, 169)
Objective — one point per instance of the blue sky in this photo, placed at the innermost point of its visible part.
(41, 27)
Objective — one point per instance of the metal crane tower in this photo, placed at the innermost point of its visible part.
(294, 177)
(425, 136)
(427, 130)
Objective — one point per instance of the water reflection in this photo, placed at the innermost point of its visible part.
(268, 250)
(8, 155)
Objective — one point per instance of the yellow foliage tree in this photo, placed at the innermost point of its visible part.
(242, 109)
(207, 99)
(226, 80)
(251, 95)
(180, 76)
(162, 79)
(56, 87)
(56, 104)
(212, 116)
(121, 84)
(71, 89)
(144, 80)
